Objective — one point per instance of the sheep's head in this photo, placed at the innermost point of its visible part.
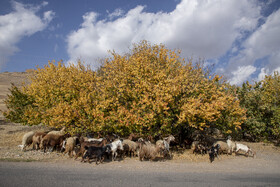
(120, 145)
(171, 138)
(108, 149)
(63, 129)
(161, 146)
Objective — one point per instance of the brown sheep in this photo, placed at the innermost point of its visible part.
(133, 137)
(224, 148)
(130, 147)
(36, 139)
(52, 141)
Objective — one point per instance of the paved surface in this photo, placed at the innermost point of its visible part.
(118, 174)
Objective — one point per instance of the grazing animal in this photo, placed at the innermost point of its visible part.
(130, 147)
(244, 148)
(26, 140)
(37, 138)
(214, 152)
(112, 137)
(97, 152)
(224, 148)
(133, 137)
(200, 148)
(52, 141)
(166, 144)
(116, 145)
(61, 132)
(231, 145)
(69, 145)
(94, 139)
(197, 147)
(149, 150)
(82, 150)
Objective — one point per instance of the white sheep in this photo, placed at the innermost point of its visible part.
(244, 148)
(26, 140)
(231, 145)
(95, 139)
(69, 145)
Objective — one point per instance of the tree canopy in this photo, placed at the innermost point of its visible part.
(151, 90)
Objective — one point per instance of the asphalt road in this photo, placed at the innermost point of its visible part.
(63, 174)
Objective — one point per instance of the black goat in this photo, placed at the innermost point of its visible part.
(98, 152)
(214, 152)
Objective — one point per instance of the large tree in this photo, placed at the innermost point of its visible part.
(151, 90)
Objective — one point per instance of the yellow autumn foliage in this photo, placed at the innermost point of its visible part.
(150, 91)
(63, 95)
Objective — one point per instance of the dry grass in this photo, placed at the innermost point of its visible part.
(11, 136)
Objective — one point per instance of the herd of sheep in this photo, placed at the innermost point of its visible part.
(111, 146)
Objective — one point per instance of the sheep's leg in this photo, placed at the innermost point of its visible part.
(71, 154)
(102, 159)
(217, 155)
(33, 145)
(78, 154)
(83, 157)
(237, 152)
(141, 157)
(116, 154)
(89, 159)
(98, 158)
(113, 154)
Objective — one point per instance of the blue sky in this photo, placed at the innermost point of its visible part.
(241, 37)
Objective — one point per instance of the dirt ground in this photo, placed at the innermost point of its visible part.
(11, 134)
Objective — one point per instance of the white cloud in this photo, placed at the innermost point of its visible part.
(21, 22)
(263, 43)
(262, 74)
(242, 74)
(201, 28)
(48, 16)
(117, 13)
(45, 3)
